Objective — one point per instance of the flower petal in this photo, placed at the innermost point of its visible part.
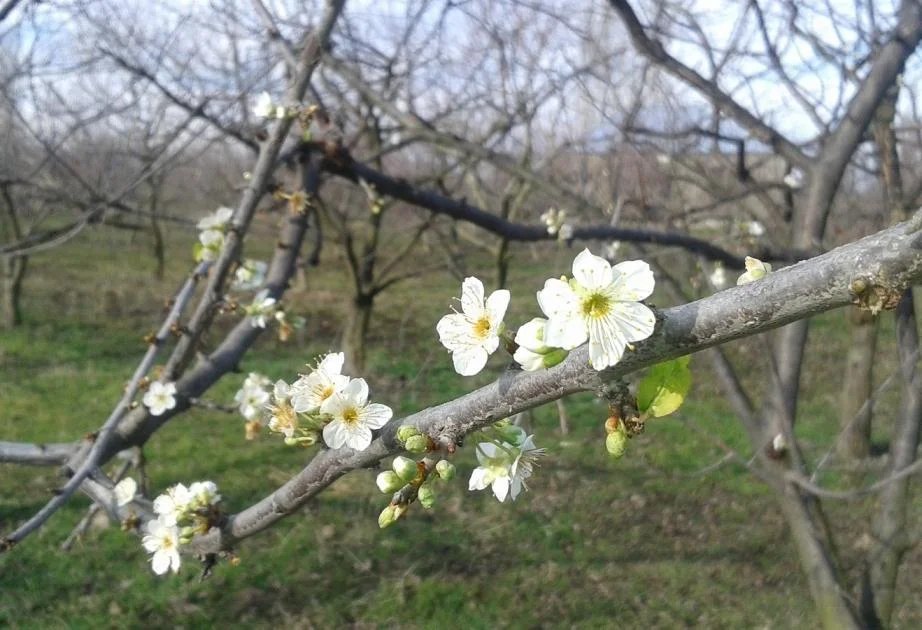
(359, 438)
(376, 415)
(606, 342)
(531, 335)
(454, 331)
(591, 271)
(335, 434)
(635, 320)
(530, 361)
(633, 281)
(565, 332)
(497, 304)
(472, 297)
(478, 480)
(332, 364)
(501, 488)
(469, 360)
(356, 391)
(557, 298)
(160, 562)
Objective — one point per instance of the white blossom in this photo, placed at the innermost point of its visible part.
(251, 400)
(531, 346)
(566, 232)
(261, 309)
(204, 493)
(217, 220)
(264, 107)
(125, 491)
(283, 418)
(473, 334)
(612, 250)
(755, 269)
(719, 277)
(172, 504)
(162, 540)
(602, 304)
(353, 417)
(504, 467)
(160, 397)
(310, 391)
(553, 219)
(250, 275)
(212, 242)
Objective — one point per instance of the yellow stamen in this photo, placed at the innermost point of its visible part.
(596, 305)
(482, 328)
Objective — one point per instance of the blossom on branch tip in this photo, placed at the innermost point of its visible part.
(504, 468)
(125, 491)
(264, 107)
(251, 401)
(283, 417)
(217, 220)
(600, 304)
(532, 353)
(353, 417)
(755, 270)
(553, 220)
(473, 334)
(203, 494)
(211, 242)
(160, 397)
(162, 541)
(310, 391)
(719, 277)
(250, 275)
(261, 309)
(172, 504)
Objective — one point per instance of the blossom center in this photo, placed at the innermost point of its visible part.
(596, 305)
(350, 416)
(166, 542)
(481, 327)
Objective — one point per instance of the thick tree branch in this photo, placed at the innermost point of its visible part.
(890, 261)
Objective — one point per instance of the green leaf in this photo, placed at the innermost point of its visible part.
(663, 390)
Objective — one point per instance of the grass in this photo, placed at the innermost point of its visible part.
(646, 541)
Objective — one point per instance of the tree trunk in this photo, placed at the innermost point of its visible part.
(856, 407)
(891, 541)
(14, 272)
(355, 333)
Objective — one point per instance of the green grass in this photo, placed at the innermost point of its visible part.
(642, 542)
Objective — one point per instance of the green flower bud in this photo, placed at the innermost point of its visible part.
(445, 469)
(387, 516)
(554, 356)
(388, 482)
(616, 443)
(426, 496)
(417, 444)
(405, 468)
(405, 432)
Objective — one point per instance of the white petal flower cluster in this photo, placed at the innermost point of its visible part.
(755, 270)
(160, 398)
(253, 396)
(473, 334)
(600, 304)
(262, 309)
(181, 513)
(213, 228)
(556, 223)
(266, 108)
(326, 402)
(250, 275)
(504, 467)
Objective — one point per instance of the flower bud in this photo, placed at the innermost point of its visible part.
(426, 496)
(405, 468)
(554, 356)
(445, 469)
(405, 432)
(417, 444)
(388, 482)
(616, 443)
(388, 516)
